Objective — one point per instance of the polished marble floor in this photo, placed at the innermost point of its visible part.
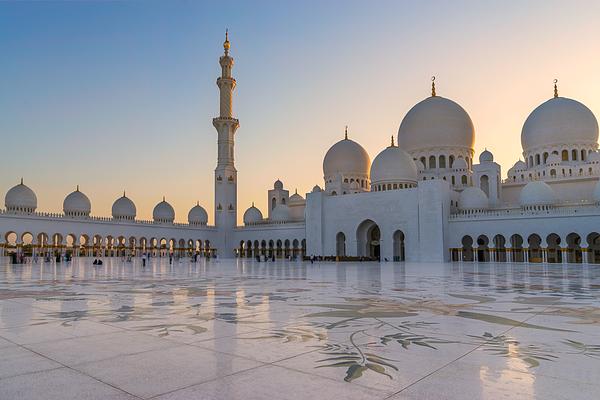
(290, 330)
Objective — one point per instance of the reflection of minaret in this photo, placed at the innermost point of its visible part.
(225, 173)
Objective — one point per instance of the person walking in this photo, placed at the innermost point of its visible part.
(144, 260)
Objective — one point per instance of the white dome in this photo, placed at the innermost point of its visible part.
(436, 122)
(77, 204)
(393, 165)
(197, 215)
(252, 215)
(473, 198)
(553, 159)
(296, 199)
(460, 163)
(518, 167)
(486, 157)
(597, 193)
(316, 189)
(163, 212)
(537, 193)
(123, 208)
(278, 185)
(20, 198)
(281, 212)
(559, 121)
(346, 158)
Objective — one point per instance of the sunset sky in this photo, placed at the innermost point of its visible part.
(120, 95)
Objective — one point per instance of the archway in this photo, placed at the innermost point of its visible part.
(467, 248)
(593, 240)
(398, 238)
(483, 250)
(574, 248)
(340, 244)
(553, 251)
(535, 248)
(368, 238)
(500, 245)
(516, 243)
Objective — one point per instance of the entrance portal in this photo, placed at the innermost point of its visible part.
(368, 238)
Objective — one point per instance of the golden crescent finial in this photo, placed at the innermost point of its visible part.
(226, 44)
(346, 133)
(433, 86)
(555, 88)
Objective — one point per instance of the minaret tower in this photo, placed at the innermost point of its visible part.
(225, 173)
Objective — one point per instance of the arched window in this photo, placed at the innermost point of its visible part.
(334, 193)
(442, 162)
(484, 184)
(453, 180)
(273, 203)
(432, 162)
(545, 157)
(450, 161)
(424, 162)
(565, 155)
(553, 173)
(583, 155)
(283, 200)
(463, 179)
(537, 159)
(574, 155)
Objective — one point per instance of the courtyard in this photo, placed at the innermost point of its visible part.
(240, 329)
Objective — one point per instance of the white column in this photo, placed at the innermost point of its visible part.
(564, 255)
(584, 255)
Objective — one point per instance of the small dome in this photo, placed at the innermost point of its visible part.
(77, 204)
(280, 213)
(163, 212)
(553, 159)
(123, 208)
(20, 198)
(537, 193)
(197, 215)
(473, 198)
(597, 192)
(486, 157)
(316, 189)
(252, 215)
(278, 185)
(559, 121)
(346, 158)
(460, 163)
(518, 167)
(436, 122)
(296, 199)
(393, 165)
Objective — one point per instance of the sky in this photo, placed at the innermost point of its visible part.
(120, 95)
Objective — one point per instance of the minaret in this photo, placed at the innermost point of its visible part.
(225, 173)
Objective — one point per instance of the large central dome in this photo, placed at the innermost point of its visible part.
(436, 122)
(559, 121)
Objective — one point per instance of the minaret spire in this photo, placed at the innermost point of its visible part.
(433, 86)
(392, 141)
(226, 44)
(555, 88)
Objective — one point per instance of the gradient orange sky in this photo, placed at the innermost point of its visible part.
(120, 95)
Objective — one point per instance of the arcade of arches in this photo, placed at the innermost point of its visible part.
(43, 244)
(368, 242)
(278, 248)
(535, 248)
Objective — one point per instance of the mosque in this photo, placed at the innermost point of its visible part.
(424, 199)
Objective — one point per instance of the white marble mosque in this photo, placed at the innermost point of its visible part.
(425, 199)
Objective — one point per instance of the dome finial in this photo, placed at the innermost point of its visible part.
(123, 193)
(197, 202)
(392, 141)
(555, 88)
(77, 188)
(226, 44)
(346, 133)
(21, 180)
(252, 204)
(163, 198)
(433, 86)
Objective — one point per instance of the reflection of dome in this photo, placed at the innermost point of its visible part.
(77, 204)
(393, 165)
(197, 215)
(473, 198)
(20, 198)
(460, 163)
(597, 193)
(537, 193)
(163, 212)
(123, 208)
(346, 158)
(486, 157)
(559, 121)
(281, 212)
(278, 185)
(252, 215)
(436, 122)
